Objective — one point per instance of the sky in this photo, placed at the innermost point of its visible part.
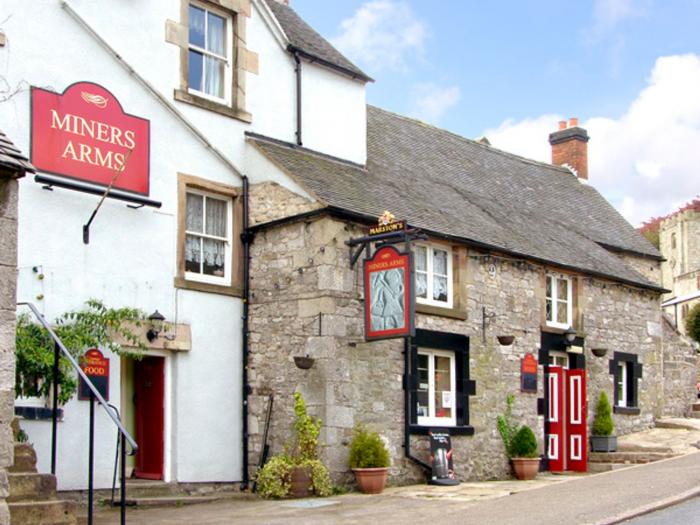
(629, 70)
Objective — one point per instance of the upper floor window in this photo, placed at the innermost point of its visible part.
(209, 69)
(208, 238)
(559, 303)
(433, 275)
(673, 241)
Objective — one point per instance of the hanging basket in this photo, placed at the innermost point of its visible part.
(304, 361)
(505, 340)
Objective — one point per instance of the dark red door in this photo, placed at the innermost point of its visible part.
(576, 410)
(149, 397)
(555, 417)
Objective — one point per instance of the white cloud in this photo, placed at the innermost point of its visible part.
(646, 163)
(430, 102)
(608, 13)
(382, 34)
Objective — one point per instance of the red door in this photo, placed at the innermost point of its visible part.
(555, 417)
(566, 415)
(149, 391)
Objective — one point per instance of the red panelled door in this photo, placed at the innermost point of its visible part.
(567, 415)
(149, 400)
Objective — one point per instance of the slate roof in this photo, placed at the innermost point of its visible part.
(459, 188)
(305, 39)
(11, 158)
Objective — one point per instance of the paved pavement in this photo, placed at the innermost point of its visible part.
(606, 498)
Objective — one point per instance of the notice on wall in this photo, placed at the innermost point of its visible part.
(96, 367)
(528, 374)
(84, 134)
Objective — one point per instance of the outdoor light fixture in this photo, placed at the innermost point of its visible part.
(156, 320)
(569, 336)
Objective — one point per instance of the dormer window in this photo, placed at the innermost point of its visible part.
(559, 301)
(210, 51)
(433, 275)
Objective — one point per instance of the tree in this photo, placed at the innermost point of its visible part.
(692, 323)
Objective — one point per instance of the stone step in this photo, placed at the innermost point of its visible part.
(25, 458)
(628, 457)
(634, 447)
(695, 414)
(166, 501)
(31, 486)
(144, 489)
(674, 424)
(597, 468)
(52, 512)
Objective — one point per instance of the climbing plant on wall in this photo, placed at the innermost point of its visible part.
(692, 323)
(95, 325)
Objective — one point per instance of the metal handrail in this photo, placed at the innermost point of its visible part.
(93, 389)
(94, 394)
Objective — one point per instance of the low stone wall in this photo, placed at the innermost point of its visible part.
(680, 372)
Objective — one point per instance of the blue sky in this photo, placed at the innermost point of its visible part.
(628, 69)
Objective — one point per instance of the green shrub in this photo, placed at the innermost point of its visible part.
(274, 480)
(307, 430)
(603, 423)
(692, 323)
(524, 444)
(367, 449)
(506, 427)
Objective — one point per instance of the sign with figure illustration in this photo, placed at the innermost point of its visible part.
(389, 304)
(84, 134)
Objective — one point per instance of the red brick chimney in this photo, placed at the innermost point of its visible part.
(570, 147)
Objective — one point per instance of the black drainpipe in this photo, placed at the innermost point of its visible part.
(246, 238)
(297, 70)
(407, 407)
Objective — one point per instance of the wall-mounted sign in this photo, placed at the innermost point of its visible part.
(389, 301)
(96, 367)
(387, 223)
(84, 134)
(528, 373)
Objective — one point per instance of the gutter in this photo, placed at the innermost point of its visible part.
(407, 407)
(297, 71)
(247, 239)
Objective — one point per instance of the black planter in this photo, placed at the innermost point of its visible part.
(304, 362)
(603, 443)
(505, 340)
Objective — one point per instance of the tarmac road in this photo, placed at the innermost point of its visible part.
(686, 513)
(611, 497)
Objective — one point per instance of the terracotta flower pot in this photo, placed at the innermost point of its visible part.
(301, 482)
(371, 480)
(526, 468)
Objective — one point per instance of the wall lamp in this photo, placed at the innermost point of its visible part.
(156, 321)
(569, 336)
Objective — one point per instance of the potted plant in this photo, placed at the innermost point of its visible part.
(300, 473)
(519, 442)
(369, 460)
(602, 439)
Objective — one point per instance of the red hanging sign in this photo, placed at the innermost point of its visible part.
(389, 300)
(84, 134)
(96, 366)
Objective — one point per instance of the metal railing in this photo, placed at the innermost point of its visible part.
(59, 349)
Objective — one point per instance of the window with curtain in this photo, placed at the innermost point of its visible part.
(433, 269)
(210, 50)
(559, 301)
(207, 238)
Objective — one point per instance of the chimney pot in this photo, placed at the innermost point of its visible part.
(570, 147)
(562, 124)
(573, 122)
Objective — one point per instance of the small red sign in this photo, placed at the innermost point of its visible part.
(96, 366)
(84, 134)
(528, 373)
(389, 302)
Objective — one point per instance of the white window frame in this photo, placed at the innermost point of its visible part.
(621, 385)
(431, 419)
(429, 267)
(227, 59)
(559, 358)
(212, 279)
(556, 300)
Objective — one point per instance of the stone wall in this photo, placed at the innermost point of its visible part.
(680, 372)
(8, 272)
(307, 300)
(269, 201)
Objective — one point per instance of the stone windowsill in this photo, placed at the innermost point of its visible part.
(210, 105)
(452, 313)
(630, 411)
(232, 291)
(466, 430)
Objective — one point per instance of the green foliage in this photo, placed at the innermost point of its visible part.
(307, 430)
(603, 423)
(274, 480)
(524, 443)
(692, 323)
(94, 326)
(507, 428)
(367, 449)
(652, 236)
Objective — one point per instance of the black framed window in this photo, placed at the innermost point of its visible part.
(626, 372)
(438, 382)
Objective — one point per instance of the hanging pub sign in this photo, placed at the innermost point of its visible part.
(528, 374)
(389, 301)
(84, 134)
(96, 366)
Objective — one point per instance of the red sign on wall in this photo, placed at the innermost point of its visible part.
(528, 373)
(96, 366)
(84, 134)
(389, 301)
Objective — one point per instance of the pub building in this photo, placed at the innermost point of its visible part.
(242, 172)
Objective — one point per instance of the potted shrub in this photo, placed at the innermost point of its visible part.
(369, 460)
(602, 439)
(519, 442)
(300, 473)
